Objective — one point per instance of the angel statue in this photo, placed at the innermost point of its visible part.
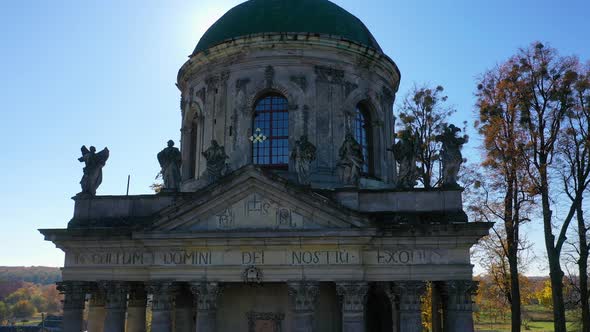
(216, 165)
(405, 153)
(92, 177)
(451, 155)
(170, 160)
(303, 154)
(351, 161)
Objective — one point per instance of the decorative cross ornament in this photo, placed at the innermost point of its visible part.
(258, 136)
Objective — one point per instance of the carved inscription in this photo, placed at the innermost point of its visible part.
(409, 256)
(320, 257)
(186, 257)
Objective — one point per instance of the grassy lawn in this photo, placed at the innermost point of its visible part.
(539, 319)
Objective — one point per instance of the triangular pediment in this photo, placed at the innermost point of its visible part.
(253, 201)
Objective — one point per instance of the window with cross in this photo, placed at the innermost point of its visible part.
(270, 137)
(362, 134)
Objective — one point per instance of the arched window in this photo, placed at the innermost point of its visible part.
(362, 134)
(270, 137)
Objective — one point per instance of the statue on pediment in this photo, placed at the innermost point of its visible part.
(216, 157)
(405, 152)
(94, 162)
(351, 161)
(170, 159)
(303, 154)
(451, 156)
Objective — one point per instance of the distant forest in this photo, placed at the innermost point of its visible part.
(35, 274)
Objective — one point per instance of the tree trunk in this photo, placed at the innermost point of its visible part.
(583, 269)
(511, 220)
(515, 293)
(555, 272)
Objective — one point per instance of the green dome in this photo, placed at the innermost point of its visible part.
(281, 16)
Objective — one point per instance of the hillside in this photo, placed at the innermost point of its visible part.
(36, 274)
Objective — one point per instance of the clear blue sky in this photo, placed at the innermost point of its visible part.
(102, 72)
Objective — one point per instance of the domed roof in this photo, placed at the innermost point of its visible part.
(281, 16)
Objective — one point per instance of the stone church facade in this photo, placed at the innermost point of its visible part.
(267, 241)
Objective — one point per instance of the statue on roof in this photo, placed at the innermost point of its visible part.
(405, 152)
(451, 157)
(351, 161)
(303, 154)
(94, 162)
(216, 165)
(170, 160)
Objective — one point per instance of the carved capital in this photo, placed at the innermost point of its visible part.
(97, 298)
(206, 295)
(353, 294)
(329, 75)
(74, 293)
(303, 295)
(410, 294)
(162, 294)
(115, 294)
(457, 294)
(137, 295)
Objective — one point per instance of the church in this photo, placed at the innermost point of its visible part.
(286, 207)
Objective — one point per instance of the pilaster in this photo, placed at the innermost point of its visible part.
(303, 298)
(73, 305)
(206, 295)
(162, 301)
(458, 306)
(354, 297)
(115, 304)
(410, 299)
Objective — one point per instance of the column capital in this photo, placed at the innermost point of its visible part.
(74, 293)
(354, 295)
(457, 293)
(304, 295)
(206, 295)
(163, 294)
(410, 294)
(115, 292)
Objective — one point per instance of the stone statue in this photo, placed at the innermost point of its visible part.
(303, 154)
(94, 162)
(351, 161)
(405, 153)
(215, 156)
(170, 159)
(451, 156)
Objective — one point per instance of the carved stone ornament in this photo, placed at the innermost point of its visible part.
(170, 159)
(329, 75)
(269, 76)
(206, 295)
(252, 275)
(94, 162)
(458, 294)
(304, 153)
(351, 161)
(242, 84)
(216, 157)
(349, 87)
(162, 294)
(410, 294)
(115, 294)
(304, 295)
(74, 294)
(301, 82)
(405, 152)
(451, 156)
(265, 321)
(353, 294)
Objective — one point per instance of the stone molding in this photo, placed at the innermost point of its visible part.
(410, 294)
(457, 294)
(206, 295)
(115, 294)
(353, 294)
(162, 294)
(303, 295)
(74, 293)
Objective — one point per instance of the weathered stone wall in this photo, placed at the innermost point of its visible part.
(323, 81)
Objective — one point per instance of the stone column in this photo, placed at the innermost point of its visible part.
(410, 314)
(162, 300)
(96, 311)
(206, 295)
(183, 311)
(73, 308)
(458, 305)
(115, 305)
(436, 308)
(354, 297)
(393, 299)
(136, 308)
(303, 298)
